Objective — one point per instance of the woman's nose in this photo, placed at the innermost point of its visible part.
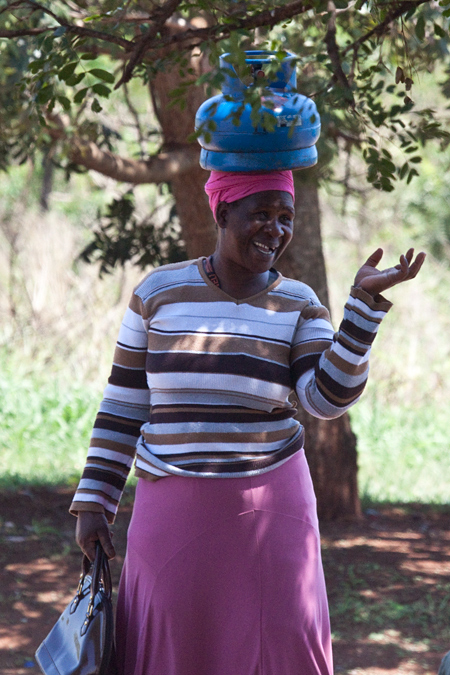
(274, 227)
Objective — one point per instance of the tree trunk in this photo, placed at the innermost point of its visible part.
(330, 444)
(197, 222)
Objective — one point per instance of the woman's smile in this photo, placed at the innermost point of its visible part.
(264, 248)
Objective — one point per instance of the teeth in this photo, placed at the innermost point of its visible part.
(263, 247)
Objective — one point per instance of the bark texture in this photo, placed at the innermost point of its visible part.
(330, 444)
(197, 222)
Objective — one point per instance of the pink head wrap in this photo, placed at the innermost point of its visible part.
(229, 186)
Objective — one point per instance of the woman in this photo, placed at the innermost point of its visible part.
(223, 573)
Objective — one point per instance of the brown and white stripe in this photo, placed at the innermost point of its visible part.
(200, 382)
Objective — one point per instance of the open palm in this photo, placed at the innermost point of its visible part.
(374, 281)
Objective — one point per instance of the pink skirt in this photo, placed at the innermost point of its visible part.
(224, 577)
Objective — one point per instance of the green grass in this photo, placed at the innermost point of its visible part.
(403, 451)
(45, 425)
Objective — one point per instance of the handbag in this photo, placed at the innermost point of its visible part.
(82, 640)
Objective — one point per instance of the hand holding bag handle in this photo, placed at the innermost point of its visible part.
(82, 640)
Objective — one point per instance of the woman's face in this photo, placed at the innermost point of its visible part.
(255, 231)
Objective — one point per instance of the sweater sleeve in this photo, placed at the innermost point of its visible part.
(330, 371)
(123, 410)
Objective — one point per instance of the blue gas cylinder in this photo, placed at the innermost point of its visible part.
(285, 140)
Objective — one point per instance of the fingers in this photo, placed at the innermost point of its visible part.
(374, 259)
(92, 527)
(106, 543)
(409, 268)
(416, 265)
(409, 255)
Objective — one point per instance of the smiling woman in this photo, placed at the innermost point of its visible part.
(255, 215)
(253, 233)
(223, 571)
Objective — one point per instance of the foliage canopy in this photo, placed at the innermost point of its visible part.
(60, 62)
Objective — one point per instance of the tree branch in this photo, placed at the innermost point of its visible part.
(9, 34)
(161, 168)
(164, 13)
(395, 13)
(70, 28)
(333, 53)
(193, 37)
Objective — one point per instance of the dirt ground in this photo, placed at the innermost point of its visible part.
(388, 580)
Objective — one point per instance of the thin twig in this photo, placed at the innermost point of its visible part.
(333, 53)
(381, 28)
(70, 28)
(137, 122)
(164, 13)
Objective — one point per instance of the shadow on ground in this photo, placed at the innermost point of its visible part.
(388, 581)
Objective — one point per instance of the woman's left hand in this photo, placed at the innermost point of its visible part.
(375, 281)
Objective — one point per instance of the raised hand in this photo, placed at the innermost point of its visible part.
(374, 281)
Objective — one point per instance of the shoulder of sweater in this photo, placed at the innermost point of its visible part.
(297, 290)
(170, 274)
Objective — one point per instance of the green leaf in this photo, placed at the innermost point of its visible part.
(101, 89)
(411, 175)
(88, 57)
(102, 75)
(403, 171)
(386, 183)
(96, 107)
(75, 79)
(93, 17)
(80, 95)
(440, 32)
(67, 71)
(64, 102)
(45, 94)
(420, 27)
(387, 167)
(35, 66)
(416, 159)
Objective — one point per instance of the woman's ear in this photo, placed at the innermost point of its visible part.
(222, 214)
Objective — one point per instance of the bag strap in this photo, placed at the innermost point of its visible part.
(99, 569)
(100, 573)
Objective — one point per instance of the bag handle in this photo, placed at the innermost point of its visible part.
(100, 573)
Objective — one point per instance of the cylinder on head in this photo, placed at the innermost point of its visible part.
(283, 133)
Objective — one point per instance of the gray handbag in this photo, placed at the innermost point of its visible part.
(82, 640)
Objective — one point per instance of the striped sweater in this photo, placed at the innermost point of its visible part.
(200, 382)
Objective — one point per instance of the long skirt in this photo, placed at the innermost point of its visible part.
(224, 577)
